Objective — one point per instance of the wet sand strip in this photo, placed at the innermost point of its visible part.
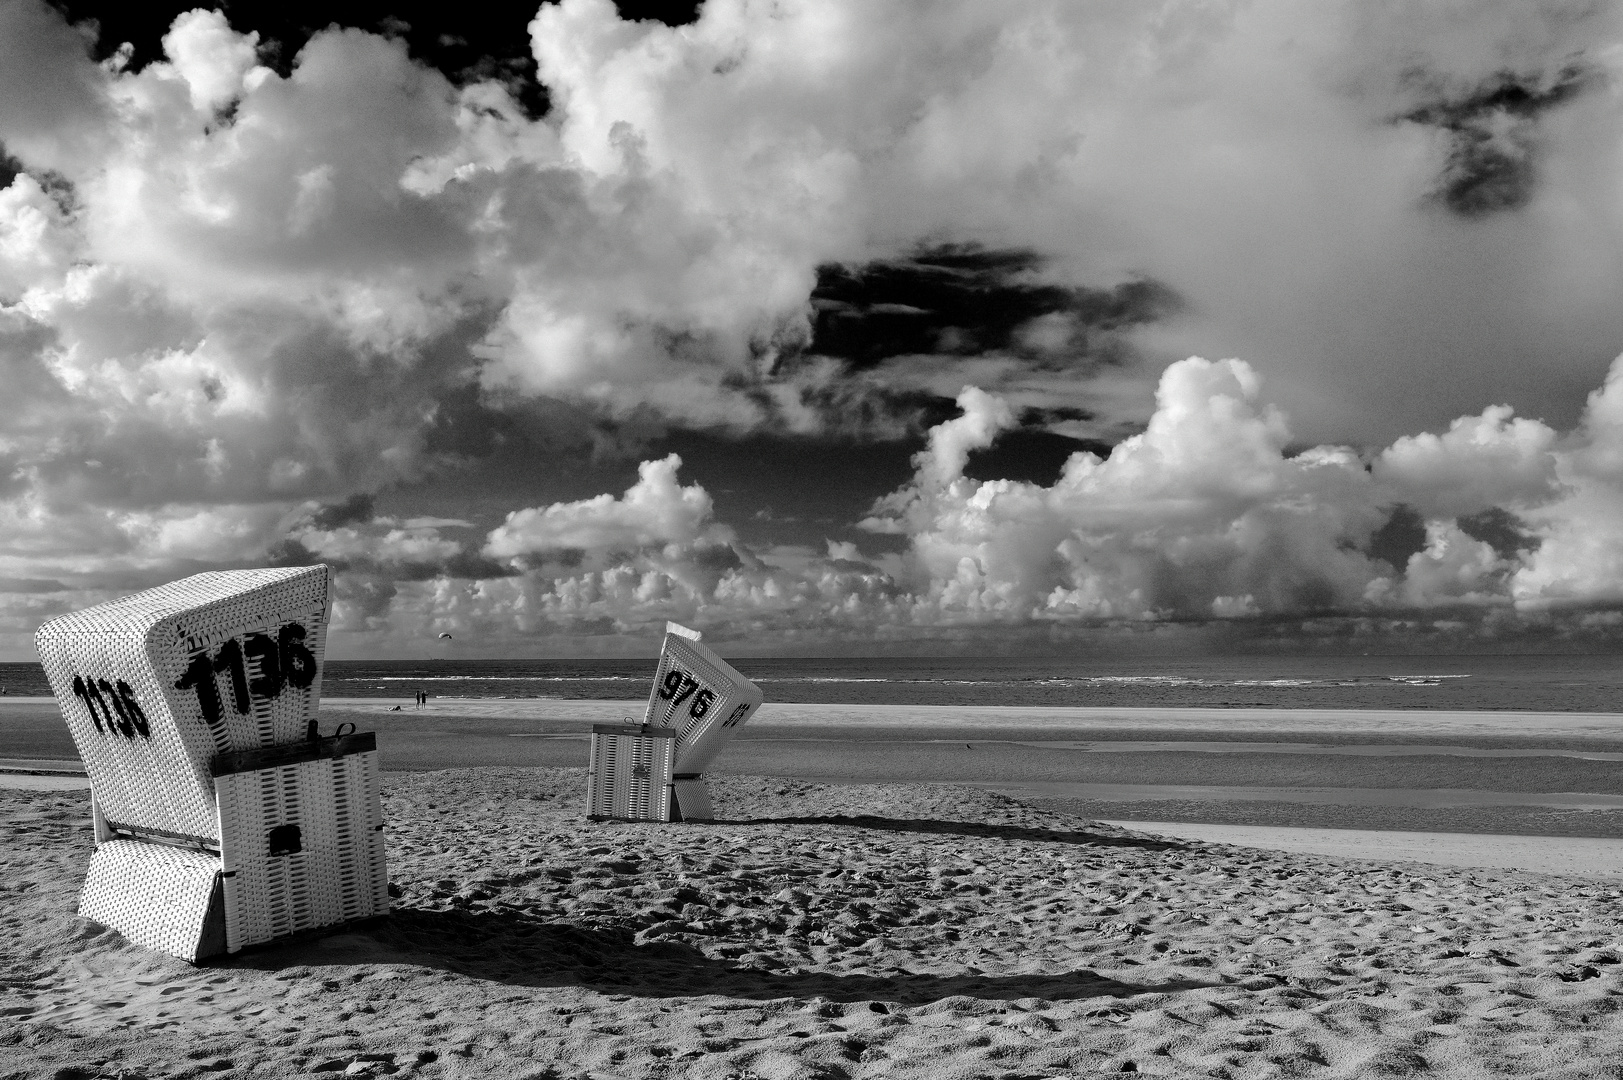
(1582, 856)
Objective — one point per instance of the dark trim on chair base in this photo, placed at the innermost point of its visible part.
(268, 757)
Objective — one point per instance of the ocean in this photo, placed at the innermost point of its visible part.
(1531, 683)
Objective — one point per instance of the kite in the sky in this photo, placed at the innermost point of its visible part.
(446, 636)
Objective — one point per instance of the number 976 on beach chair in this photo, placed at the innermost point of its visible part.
(222, 819)
(655, 772)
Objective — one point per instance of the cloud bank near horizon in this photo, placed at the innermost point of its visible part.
(234, 304)
(1208, 516)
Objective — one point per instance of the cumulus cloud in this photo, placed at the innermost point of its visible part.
(1202, 514)
(655, 512)
(626, 564)
(229, 295)
(1208, 513)
(213, 60)
(1211, 515)
(1580, 554)
(1496, 459)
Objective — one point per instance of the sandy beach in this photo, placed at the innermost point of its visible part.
(827, 931)
(882, 926)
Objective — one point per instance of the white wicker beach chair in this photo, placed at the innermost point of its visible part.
(697, 702)
(222, 819)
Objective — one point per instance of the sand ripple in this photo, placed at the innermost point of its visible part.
(825, 932)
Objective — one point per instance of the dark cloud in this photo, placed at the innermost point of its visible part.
(369, 595)
(1403, 535)
(465, 426)
(399, 571)
(860, 409)
(357, 509)
(717, 558)
(290, 553)
(10, 167)
(555, 560)
(30, 585)
(829, 484)
(1492, 130)
(471, 564)
(462, 564)
(963, 300)
(505, 432)
(1501, 530)
(1030, 455)
(669, 12)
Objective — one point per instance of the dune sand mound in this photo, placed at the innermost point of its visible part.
(824, 931)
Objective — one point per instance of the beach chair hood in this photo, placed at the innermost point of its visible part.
(700, 697)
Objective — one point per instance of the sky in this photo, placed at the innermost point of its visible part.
(824, 326)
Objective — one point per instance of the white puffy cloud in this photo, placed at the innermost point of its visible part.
(1579, 560)
(1454, 568)
(214, 61)
(227, 295)
(1275, 164)
(1495, 459)
(1209, 515)
(1202, 514)
(654, 512)
(652, 243)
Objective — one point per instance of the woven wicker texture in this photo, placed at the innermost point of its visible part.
(701, 697)
(154, 685)
(692, 798)
(302, 847)
(153, 688)
(158, 897)
(629, 776)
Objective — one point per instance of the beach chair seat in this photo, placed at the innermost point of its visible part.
(221, 818)
(697, 704)
(160, 897)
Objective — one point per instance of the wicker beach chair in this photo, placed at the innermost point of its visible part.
(221, 818)
(655, 772)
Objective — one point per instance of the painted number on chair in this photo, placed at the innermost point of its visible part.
(276, 664)
(679, 685)
(112, 706)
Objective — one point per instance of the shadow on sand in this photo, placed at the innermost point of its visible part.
(510, 944)
(516, 948)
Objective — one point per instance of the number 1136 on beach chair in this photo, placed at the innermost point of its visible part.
(655, 772)
(222, 818)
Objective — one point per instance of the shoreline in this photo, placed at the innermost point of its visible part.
(822, 714)
(1514, 725)
(1287, 776)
